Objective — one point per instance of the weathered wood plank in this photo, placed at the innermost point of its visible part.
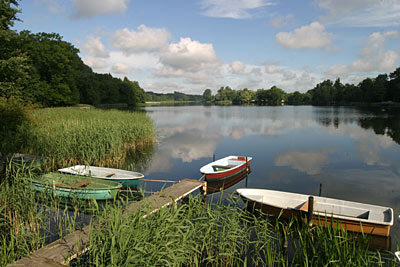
(34, 261)
(61, 251)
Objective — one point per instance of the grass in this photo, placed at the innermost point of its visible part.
(218, 234)
(69, 136)
(221, 235)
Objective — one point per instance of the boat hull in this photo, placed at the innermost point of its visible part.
(211, 175)
(65, 186)
(126, 178)
(353, 226)
(326, 218)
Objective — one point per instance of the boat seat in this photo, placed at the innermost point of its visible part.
(215, 167)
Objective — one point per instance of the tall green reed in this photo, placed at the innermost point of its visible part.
(221, 235)
(67, 136)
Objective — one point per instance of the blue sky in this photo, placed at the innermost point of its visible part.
(188, 46)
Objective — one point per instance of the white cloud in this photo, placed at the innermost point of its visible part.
(362, 13)
(373, 57)
(306, 37)
(271, 69)
(95, 47)
(190, 56)
(95, 63)
(91, 8)
(144, 40)
(235, 9)
(238, 67)
(281, 21)
(121, 68)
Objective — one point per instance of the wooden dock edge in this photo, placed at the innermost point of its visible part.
(63, 250)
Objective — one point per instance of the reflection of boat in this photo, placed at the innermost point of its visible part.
(75, 186)
(216, 186)
(225, 167)
(126, 178)
(356, 217)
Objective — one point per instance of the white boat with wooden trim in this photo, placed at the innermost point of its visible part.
(225, 168)
(353, 216)
(126, 178)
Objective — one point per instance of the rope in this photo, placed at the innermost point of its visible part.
(162, 181)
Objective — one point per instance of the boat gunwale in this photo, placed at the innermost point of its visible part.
(223, 160)
(69, 170)
(320, 213)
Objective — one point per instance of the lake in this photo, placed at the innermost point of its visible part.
(352, 153)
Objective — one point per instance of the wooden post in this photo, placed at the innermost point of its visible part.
(204, 188)
(310, 210)
(320, 189)
(247, 172)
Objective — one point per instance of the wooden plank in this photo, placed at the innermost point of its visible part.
(72, 245)
(34, 261)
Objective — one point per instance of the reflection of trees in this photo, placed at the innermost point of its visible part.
(383, 121)
(334, 116)
(389, 126)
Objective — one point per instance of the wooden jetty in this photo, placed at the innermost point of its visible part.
(69, 247)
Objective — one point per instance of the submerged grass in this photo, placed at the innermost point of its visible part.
(68, 136)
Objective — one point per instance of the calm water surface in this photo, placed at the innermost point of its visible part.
(353, 153)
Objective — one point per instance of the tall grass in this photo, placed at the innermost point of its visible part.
(220, 235)
(67, 136)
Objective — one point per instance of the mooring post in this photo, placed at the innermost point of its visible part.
(320, 189)
(310, 210)
(204, 188)
(213, 157)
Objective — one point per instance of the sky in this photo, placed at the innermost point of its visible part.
(189, 46)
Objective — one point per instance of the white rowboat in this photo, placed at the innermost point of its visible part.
(353, 216)
(225, 168)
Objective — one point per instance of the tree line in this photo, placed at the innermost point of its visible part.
(383, 88)
(44, 70)
(175, 96)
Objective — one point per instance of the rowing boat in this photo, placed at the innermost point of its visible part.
(225, 168)
(353, 216)
(75, 186)
(126, 178)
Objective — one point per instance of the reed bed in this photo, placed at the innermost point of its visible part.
(221, 235)
(69, 136)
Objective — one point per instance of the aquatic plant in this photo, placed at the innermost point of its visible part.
(69, 136)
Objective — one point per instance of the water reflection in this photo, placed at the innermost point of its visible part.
(352, 152)
(217, 186)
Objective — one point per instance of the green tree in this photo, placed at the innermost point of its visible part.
(13, 62)
(394, 86)
(207, 95)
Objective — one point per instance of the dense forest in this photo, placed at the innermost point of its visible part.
(383, 88)
(175, 96)
(44, 70)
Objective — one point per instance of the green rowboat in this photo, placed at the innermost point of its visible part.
(74, 186)
(126, 178)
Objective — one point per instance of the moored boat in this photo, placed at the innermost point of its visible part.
(225, 168)
(75, 186)
(126, 178)
(353, 216)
